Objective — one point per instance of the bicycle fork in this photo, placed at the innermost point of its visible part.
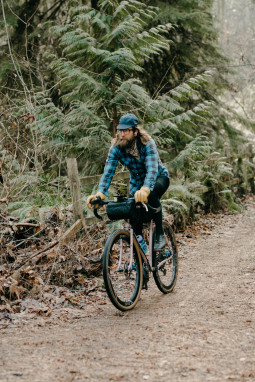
(131, 251)
(147, 261)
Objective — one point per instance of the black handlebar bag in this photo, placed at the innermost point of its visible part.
(127, 209)
(121, 210)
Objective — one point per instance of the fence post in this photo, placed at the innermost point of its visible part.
(72, 171)
(251, 180)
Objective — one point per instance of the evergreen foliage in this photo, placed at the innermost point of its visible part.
(194, 47)
(102, 53)
(206, 173)
(73, 71)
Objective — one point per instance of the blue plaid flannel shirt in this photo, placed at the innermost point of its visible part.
(143, 172)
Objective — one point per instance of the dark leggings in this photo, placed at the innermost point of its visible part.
(161, 185)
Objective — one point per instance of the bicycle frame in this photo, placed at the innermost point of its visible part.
(147, 260)
(126, 267)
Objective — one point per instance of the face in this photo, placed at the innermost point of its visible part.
(126, 137)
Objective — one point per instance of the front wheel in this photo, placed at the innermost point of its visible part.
(165, 263)
(122, 275)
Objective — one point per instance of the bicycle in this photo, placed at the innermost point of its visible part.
(125, 266)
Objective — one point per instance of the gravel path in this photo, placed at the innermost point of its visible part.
(203, 331)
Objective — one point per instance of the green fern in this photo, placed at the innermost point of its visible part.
(103, 51)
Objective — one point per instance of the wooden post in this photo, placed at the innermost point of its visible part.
(72, 171)
(251, 179)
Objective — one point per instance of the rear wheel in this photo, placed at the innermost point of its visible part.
(122, 277)
(165, 263)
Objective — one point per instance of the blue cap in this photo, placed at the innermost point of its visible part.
(127, 121)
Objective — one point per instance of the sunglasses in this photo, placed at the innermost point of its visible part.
(126, 131)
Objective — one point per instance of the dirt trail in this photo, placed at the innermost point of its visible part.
(204, 331)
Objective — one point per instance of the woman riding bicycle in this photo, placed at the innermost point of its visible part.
(149, 179)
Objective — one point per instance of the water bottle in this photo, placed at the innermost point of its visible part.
(142, 243)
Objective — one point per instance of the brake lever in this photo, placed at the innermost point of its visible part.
(146, 207)
(98, 199)
(97, 215)
(142, 204)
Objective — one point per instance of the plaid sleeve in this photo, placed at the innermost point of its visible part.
(133, 186)
(109, 170)
(151, 164)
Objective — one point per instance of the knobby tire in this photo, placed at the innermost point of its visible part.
(165, 277)
(123, 285)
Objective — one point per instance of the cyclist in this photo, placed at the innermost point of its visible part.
(149, 179)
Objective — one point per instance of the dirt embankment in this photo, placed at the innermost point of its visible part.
(203, 331)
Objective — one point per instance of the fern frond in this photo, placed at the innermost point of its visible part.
(176, 203)
(183, 192)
